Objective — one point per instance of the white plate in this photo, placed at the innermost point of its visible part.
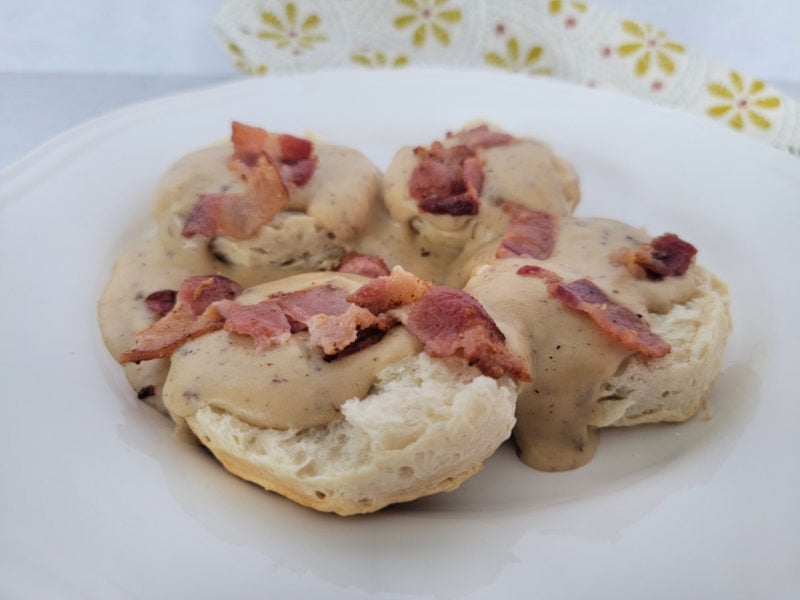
(97, 500)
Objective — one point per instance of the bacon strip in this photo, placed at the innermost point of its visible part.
(446, 180)
(446, 320)
(333, 323)
(481, 137)
(364, 339)
(450, 322)
(294, 155)
(335, 333)
(529, 232)
(617, 321)
(265, 161)
(162, 301)
(664, 256)
(193, 315)
(240, 215)
(390, 291)
(299, 307)
(367, 265)
(264, 322)
(449, 180)
(540, 272)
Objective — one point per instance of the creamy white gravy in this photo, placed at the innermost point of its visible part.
(291, 386)
(284, 387)
(558, 414)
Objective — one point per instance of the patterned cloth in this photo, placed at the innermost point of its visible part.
(570, 40)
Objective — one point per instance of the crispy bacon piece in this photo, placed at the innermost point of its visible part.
(446, 180)
(449, 180)
(333, 323)
(240, 215)
(300, 172)
(390, 291)
(335, 333)
(529, 232)
(367, 265)
(162, 301)
(617, 321)
(294, 155)
(450, 322)
(364, 339)
(201, 291)
(265, 322)
(248, 142)
(540, 272)
(193, 315)
(265, 161)
(446, 320)
(481, 137)
(299, 307)
(664, 256)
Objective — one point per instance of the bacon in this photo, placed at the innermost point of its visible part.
(294, 149)
(472, 175)
(437, 174)
(265, 322)
(619, 322)
(664, 256)
(446, 180)
(334, 333)
(456, 206)
(481, 137)
(333, 323)
(450, 322)
(536, 271)
(367, 265)
(389, 291)
(265, 161)
(201, 291)
(364, 339)
(529, 232)
(299, 307)
(162, 301)
(194, 314)
(240, 215)
(250, 142)
(300, 172)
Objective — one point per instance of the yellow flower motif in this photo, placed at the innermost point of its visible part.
(649, 44)
(240, 62)
(514, 61)
(378, 60)
(555, 6)
(291, 31)
(427, 16)
(739, 101)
